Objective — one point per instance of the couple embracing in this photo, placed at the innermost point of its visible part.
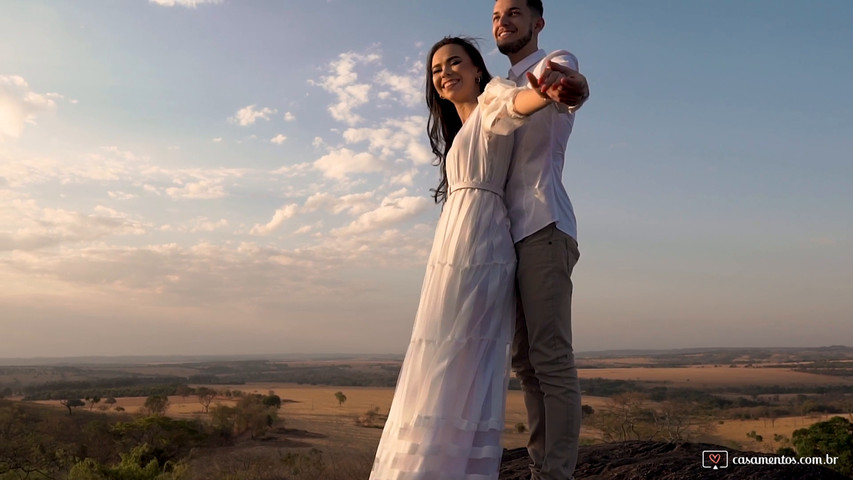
(497, 289)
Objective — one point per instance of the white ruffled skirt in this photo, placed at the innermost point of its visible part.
(447, 415)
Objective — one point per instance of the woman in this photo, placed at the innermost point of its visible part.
(447, 414)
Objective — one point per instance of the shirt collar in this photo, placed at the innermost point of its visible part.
(517, 71)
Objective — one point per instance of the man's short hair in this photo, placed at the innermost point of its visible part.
(536, 6)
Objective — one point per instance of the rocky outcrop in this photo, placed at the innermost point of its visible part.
(665, 461)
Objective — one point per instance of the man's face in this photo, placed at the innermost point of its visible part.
(513, 25)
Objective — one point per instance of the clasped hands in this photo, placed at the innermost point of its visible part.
(560, 84)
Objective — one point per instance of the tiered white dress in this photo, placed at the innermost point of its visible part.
(447, 414)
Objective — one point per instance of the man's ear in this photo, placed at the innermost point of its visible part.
(539, 25)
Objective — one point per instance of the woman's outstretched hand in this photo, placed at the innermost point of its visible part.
(561, 84)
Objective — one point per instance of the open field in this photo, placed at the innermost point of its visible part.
(313, 417)
(316, 410)
(733, 432)
(704, 376)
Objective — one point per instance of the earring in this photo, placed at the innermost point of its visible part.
(478, 80)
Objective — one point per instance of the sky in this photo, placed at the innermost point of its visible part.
(252, 177)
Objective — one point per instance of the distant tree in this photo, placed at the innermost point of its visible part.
(222, 417)
(368, 419)
(809, 406)
(170, 439)
(92, 401)
(27, 449)
(626, 419)
(520, 427)
(341, 398)
(156, 405)
(205, 396)
(679, 421)
(773, 413)
(254, 416)
(784, 444)
(138, 464)
(110, 401)
(183, 390)
(587, 410)
(833, 437)
(272, 400)
(71, 403)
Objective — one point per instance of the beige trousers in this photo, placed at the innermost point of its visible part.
(542, 356)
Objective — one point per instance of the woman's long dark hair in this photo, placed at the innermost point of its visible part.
(444, 122)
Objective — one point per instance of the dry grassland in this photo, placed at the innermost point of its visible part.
(615, 362)
(733, 432)
(316, 410)
(711, 376)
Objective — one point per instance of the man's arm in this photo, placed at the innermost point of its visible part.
(564, 84)
(538, 96)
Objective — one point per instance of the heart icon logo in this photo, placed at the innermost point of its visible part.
(714, 457)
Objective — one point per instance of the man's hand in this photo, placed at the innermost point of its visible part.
(562, 84)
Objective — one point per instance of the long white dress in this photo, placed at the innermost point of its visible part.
(447, 414)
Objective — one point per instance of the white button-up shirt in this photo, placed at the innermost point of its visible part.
(535, 195)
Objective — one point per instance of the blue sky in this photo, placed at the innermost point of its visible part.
(253, 177)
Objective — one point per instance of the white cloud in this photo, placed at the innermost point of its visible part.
(408, 88)
(198, 224)
(341, 163)
(248, 115)
(344, 84)
(106, 164)
(353, 204)
(184, 3)
(303, 230)
(278, 139)
(394, 209)
(19, 105)
(217, 140)
(394, 139)
(289, 117)
(290, 171)
(282, 214)
(204, 184)
(121, 195)
(27, 226)
(406, 178)
(206, 189)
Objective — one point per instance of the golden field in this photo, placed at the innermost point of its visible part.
(315, 409)
(733, 432)
(714, 376)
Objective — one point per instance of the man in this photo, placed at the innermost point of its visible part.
(544, 232)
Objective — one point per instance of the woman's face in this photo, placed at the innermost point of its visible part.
(454, 75)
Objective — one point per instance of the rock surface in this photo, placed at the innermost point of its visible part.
(664, 461)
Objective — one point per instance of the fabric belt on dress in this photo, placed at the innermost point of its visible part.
(476, 186)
